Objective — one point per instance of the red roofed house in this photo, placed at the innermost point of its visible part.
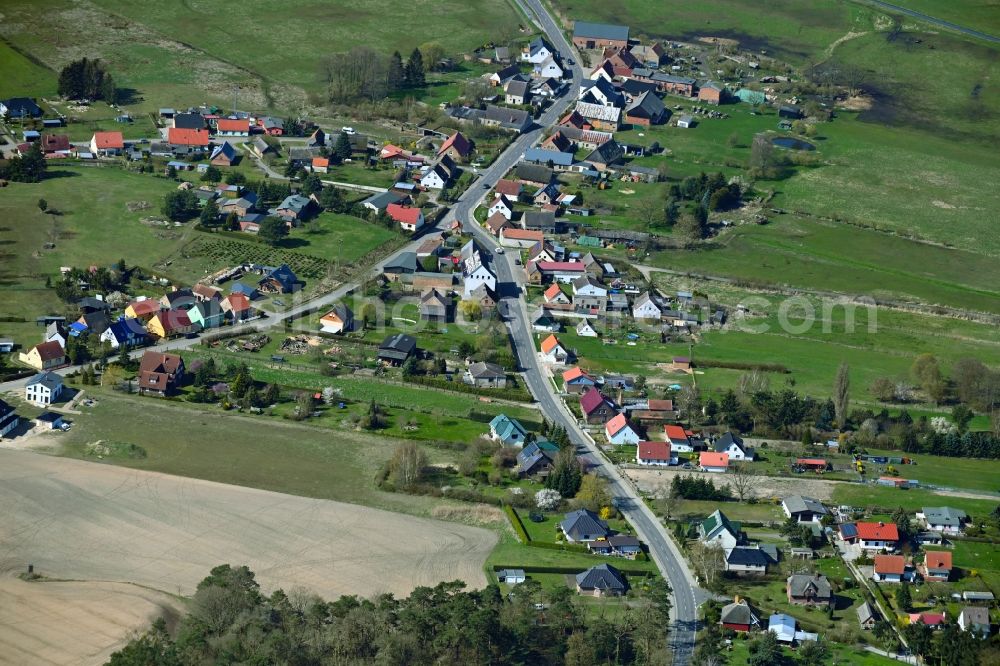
(390, 151)
(575, 380)
(107, 143)
(679, 438)
(553, 351)
(187, 137)
(144, 309)
(237, 307)
(619, 431)
(55, 143)
(655, 453)
(457, 147)
(409, 218)
(595, 407)
(160, 374)
(170, 323)
(524, 238)
(232, 127)
(44, 356)
(937, 566)
(890, 569)
(554, 294)
(713, 462)
(496, 223)
(878, 536)
(320, 164)
(509, 188)
(814, 464)
(932, 620)
(560, 271)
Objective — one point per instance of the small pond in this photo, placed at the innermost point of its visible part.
(792, 143)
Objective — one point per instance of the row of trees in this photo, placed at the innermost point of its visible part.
(232, 622)
(362, 73)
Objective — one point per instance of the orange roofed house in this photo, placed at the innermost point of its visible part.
(553, 351)
(679, 438)
(937, 566)
(878, 536)
(177, 136)
(713, 462)
(575, 380)
(107, 143)
(160, 374)
(891, 569)
(232, 127)
(457, 147)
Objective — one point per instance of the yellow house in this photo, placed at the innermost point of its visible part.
(44, 356)
(169, 323)
(143, 310)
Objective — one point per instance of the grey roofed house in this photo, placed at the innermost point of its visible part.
(604, 578)
(49, 380)
(807, 585)
(608, 152)
(797, 504)
(589, 110)
(193, 121)
(635, 88)
(542, 156)
(261, 146)
(397, 347)
(975, 619)
(91, 303)
(501, 53)
(539, 220)
(434, 305)
(944, 515)
(583, 525)
(406, 262)
(585, 29)
(382, 200)
(739, 612)
(647, 105)
(516, 120)
(302, 154)
(866, 614)
(533, 173)
(517, 87)
(483, 370)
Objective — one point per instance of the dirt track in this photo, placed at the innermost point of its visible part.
(767, 486)
(93, 522)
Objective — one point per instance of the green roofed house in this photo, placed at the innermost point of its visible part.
(750, 96)
(718, 530)
(507, 431)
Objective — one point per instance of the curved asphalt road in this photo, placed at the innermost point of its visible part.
(941, 23)
(664, 552)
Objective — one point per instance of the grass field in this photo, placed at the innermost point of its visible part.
(964, 473)
(338, 238)
(247, 451)
(210, 49)
(982, 15)
(979, 561)
(21, 76)
(854, 494)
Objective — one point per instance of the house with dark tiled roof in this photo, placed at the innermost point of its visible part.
(596, 409)
(588, 35)
(397, 348)
(809, 590)
(739, 616)
(601, 581)
(160, 374)
(583, 525)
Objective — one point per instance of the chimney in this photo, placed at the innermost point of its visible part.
(881, 524)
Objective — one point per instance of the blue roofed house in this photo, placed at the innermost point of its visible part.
(20, 107)
(507, 431)
(583, 525)
(281, 280)
(599, 35)
(783, 627)
(128, 332)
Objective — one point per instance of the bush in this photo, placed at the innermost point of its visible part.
(515, 521)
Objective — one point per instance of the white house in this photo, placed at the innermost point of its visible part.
(655, 453)
(43, 389)
(479, 276)
(588, 286)
(537, 51)
(619, 431)
(548, 69)
(435, 178)
(717, 530)
(8, 419)
(553, 351)
(503, 206)
(943, 519)
(975, 619)
(891, 569)
(585, 330)
(878, 536)
(733, 445)
(644, 308)
(803, 509)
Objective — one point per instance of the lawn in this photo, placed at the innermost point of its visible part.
(982, 15)
(963, 473)
(854, 494)
(249, 451)
(212, 51)
(22, 76)
(338, 238)
(739, 653)
(93, 227)
(740, 511)
(978, 560)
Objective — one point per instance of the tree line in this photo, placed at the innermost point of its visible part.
(363, 73)
(87, 79)
(231, 621)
